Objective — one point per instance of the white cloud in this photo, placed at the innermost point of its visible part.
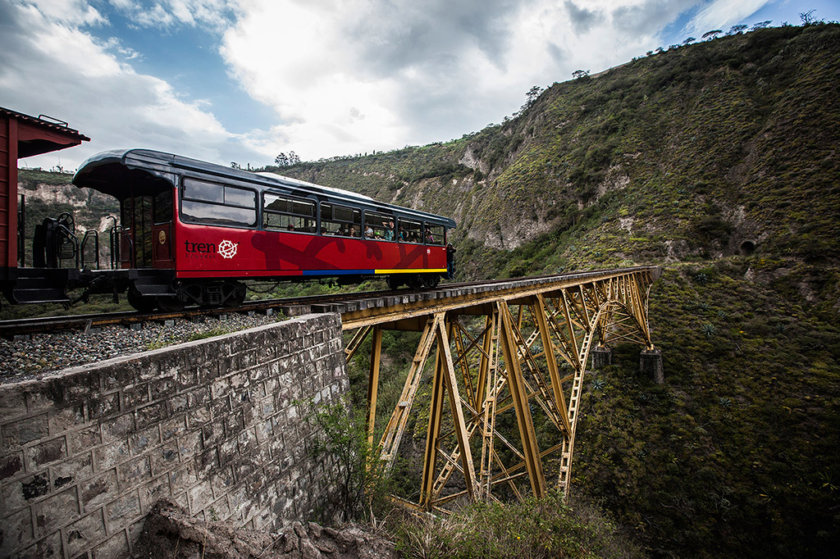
(213, 14)
(356, 75)
(50, 67)
(73, 12)
(721, 14)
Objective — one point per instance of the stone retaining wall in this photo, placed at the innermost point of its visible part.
(215, 425)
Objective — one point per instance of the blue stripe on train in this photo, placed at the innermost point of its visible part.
(338, 272)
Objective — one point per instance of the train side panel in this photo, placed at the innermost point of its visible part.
(207, 251)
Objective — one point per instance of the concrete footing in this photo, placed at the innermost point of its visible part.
(601, 357)
(650, 365)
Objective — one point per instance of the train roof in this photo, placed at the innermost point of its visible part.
(111, 172)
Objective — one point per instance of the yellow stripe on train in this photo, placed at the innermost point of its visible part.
(414, 271)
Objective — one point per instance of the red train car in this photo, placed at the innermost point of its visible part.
(22, 136)
(191, 231)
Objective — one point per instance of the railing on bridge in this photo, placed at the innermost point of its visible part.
(506, 377)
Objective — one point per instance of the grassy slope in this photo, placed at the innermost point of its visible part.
(679, 159)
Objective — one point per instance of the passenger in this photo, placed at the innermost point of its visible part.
(291, 227)
(369, 232)
(389, 232)
(353, 231)
(429, 239)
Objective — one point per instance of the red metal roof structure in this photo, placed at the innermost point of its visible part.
(24, 136)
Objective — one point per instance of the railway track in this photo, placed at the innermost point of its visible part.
(290, 306)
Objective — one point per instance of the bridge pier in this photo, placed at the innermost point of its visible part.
(601, 357)
(650, 364)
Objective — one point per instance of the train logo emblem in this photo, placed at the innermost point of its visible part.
(228, 249)
(162, 237)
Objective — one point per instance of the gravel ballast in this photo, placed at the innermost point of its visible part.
(26, 356)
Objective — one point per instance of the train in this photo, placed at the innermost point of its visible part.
(191, 232)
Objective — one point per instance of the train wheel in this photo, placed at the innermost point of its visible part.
(140, 303)
(237, 292)
(394, 282)
(430, 281)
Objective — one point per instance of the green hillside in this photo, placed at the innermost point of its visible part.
(719, 162)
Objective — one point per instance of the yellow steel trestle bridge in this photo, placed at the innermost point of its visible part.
(507, 362)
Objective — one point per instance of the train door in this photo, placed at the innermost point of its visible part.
(136, 238)
(163, 231)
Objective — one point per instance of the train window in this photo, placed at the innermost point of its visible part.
(217, 204)
(410, 231)
(340, 220)
(379, 226)
(435, 234)
(288, 213)
(204, 191)
(163, 206)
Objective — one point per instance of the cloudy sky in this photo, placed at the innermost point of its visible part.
(243, 80)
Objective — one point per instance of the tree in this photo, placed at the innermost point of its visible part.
(580, 74)
(761, 24)
(736, 29)
(712, 34)
(294, 158)
(282, 160)
(234, 165)
(689, 40)
(807, 17)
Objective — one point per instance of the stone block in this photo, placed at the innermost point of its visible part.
(122, 512)
(177, 404)
(118, 428)
(164, 458)
(136, 395)
(115, 546)
(149, 415)
(108, 456)
(207, 462)
(15, 532)
(172, 427)
(650, 365)
(153, 491)
(99, 490)
(601, 357)
(221, 481)
(189, 444)
(228, 452)
(73, 470)
(133, 472)
(104, 405)
(84, 439)
(49, 547)
(84, 533)
(11, 465)
(55, 511)
(43, 454)
(183, 477)
(24, 431)
(198, 416)
(145, 440)
(201, 495)
(13, 402)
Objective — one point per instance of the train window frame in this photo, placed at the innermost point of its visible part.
(288, 217)
(239, 215)
(379, 225)
(438, 232)
(354, 221)
(416, 229)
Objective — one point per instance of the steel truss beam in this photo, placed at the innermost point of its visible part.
(506, 381)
